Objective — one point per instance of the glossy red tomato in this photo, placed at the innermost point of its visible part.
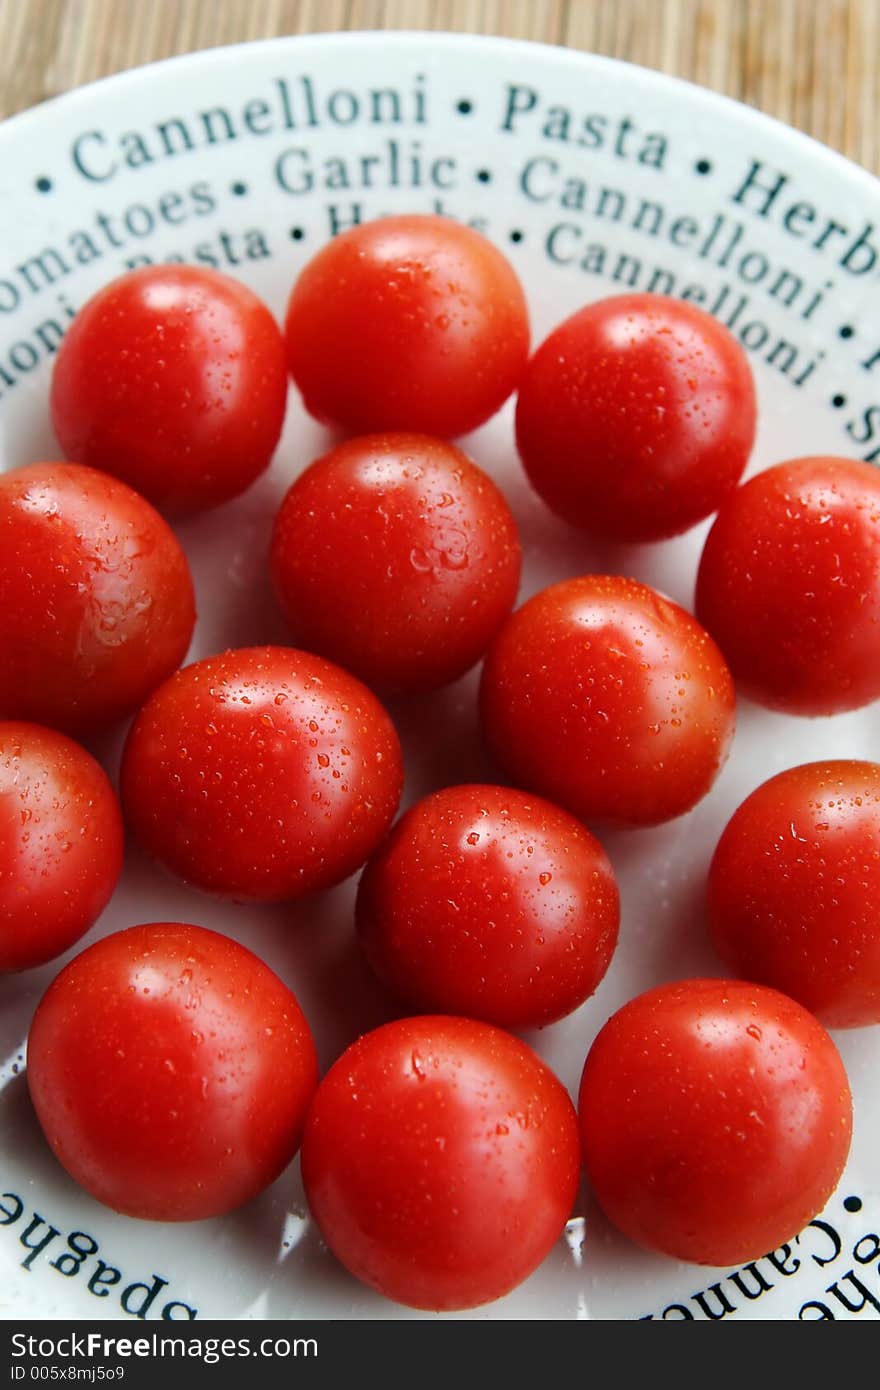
(636, 417)
(440, 1161)
(789, 585)
(407, 323)
(794, 887)
(397, 557)
(263, 773)
(716, 1119)
(171, 1071)
(96, 599)
(61, 843)
(609, 699)
(174, 379)
(489, 903)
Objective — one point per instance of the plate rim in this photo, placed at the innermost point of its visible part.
(438, 49)
(440, 40)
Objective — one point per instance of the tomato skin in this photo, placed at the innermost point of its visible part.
(171, 1071)
(172, 378)
(397, 557)
(96, 598)
(61, 844)
(607, 698)
(794, 885)
(489, 903)
(263, 773)
(789, 585)
(440, 1161)
(407, 323)
(636, 417)
(716, 1119)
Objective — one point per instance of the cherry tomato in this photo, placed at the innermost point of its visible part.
(407, 323)
(794, 887)
(610, 700)
(263, 773)
(96, 599)
(636, 417)
(174, 379)
(61, 844)
(789, 585)
(440, 1161)
(492, 904)
(397, 557)
(716, 1120)
(171, 1071)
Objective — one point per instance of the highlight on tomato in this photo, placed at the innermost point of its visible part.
(440, 1161)
(410, 322)
(716, 1119)
(606, 697)
(171, 1071)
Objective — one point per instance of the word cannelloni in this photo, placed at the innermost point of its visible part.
(298, 104)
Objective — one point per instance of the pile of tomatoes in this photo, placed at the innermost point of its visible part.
(173, 1073)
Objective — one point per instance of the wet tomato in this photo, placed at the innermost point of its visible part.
(789, 585)
(171, 1071)
(440, 1161)
(407, 323)
(61, 843)
(262, 773)
(609, 699)
(172, 378)
(716, 1119)
(96, 599)
(397, 557)
(794, 886)
(636, 417)
(489, 903)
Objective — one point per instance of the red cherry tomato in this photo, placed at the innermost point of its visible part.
(96, 599)
(789, 585)
(636, 417)
(397, 557)
(716, 1120)
(492, 904)
(174, 379)
(263, 773)
(794, 887)
(171, 1071)
(407, 323)
(609, 699)
(440, 1161)
(61, 844)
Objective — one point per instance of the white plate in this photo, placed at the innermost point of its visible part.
(592, 176)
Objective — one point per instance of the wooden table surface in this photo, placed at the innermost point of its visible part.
(813, 63)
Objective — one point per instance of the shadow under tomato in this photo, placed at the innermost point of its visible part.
(440, 734)
(344, 996)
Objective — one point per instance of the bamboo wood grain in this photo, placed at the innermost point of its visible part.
(812, 63)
